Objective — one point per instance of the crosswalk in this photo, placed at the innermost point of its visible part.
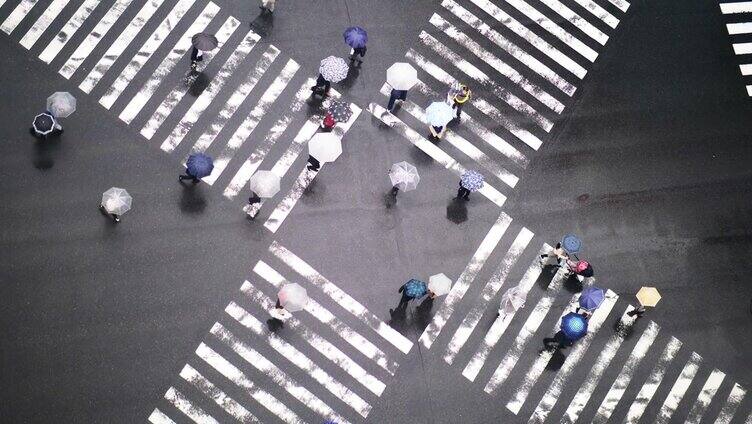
(132, 56)
(331, 361)
(740, 15)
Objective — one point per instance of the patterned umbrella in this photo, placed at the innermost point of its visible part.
(61, 104)
(439, 284)
(334, 69)
(116, 200)
(293, 297)
(43, 124)
(355, 37)
(591, 298)
(415, 288)
(571, 243)
(472, 180)
(574, 326)
(265, 184)
(439, 114)
(401, 76)
(404, 176)
(199, 165)
(340, 111)
(204, 41)
(326, 147)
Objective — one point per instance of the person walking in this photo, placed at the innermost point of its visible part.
(189, 176)
(327, 125)
(637, 312)
(459, 100)
(196, 56)
(313, 164)
(558, 341)
(395, 95)
(413, 289)
(559, 253)
(463, 193)
(267, 6)
(322, 86)
(255, 198)
(356, 55)
(437, 131)
(115, 217)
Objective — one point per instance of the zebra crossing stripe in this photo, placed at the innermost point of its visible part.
(177, 93)
(749, 419)
(732, 404)
(442, 76)
(230, 405)
(738, 7)
(501, 323)
(360, 343)
(71, 27)
(742, 48)
(149, 47)
(251, 164)
(599, 12)
(41, 24)
(250, 123)
(577, 20)
(119, 45)
(460, 143)
(158, 417)
(340, 297)
(492, 287)
(619, 386)
(499, 65)
(746, 69)
(708, 391)
(95, 36)
(188, 408)
(549, 399)
(679, 389)
(207, 96)
(513, 50)
(266, 367)
(17, 15)
(300, 360)
(623, 5)
(654, 380)
(460, 287)
(327, 349)
(739, 28)
(168, 64)
(432, 150)
(478, 75)
(232, 373)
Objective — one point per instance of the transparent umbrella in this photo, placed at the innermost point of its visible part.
(401, 76)
(61, 104)
(439, 284)
(265, 183)
(293, 297)
(116, 200)
(439, 114)
(404, 176)
(512, 300)
(325, 147)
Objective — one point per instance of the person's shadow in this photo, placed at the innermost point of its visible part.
(263, 24)
(390, 199)
(197, 82)
(274, 325)
(457, 211)
(44, 152)
(422, 316)
(192, 198)
(352, 76)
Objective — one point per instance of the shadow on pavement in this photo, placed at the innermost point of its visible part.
(457, 211)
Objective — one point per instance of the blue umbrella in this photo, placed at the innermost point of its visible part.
(571, 243)
(472, 180)
(591, 298)
(199, 165)
(415, 288)
(356, 37)
(574, 326)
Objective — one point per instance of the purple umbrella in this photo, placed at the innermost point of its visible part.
(591, 298)
(356, 37)
(199, 165)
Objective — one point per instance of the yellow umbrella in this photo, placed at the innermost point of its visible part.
(648, 296)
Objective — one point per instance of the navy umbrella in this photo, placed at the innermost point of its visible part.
(356, 37)
(199, 165)
(571, 243)
(591, 298)
(43, 124)
(574, 326)
(204, 41)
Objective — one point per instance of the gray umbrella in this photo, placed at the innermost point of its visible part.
(204, 41)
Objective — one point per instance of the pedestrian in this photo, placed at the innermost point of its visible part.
(356, 55)
(437, 132)
(394, 191)
(267, 6)
(638, 312)
(115, 217)
(559, 253)
(313, 163)
(459, 100)
(322, 86)
(413, 289)
(584, 312)
(558, 341)
(463, 193)
(254, 198)
(56, 127)
(189, 176)
(395, 95)
(454, 89)
(196, 56)
(327, 125)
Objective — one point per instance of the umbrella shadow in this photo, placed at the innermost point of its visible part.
(419, 157)
(422, 315)
(315, 105)
(192, 199)
(390, 199)
(457, 211)
(545, 278)
(556, 361)
(197, 82)
(572, 284)
(274, 325)
(314, 193)
(263, 24)
(44, 152)
(623, 330)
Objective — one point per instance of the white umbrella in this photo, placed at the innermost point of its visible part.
(325, 147)
(439, 114)
(116, 200)
(61, 104)
(401, 76)
(265, 183)
(293, 297)
(404, 176)
(512, 300)
(334, 69)
(439, 284)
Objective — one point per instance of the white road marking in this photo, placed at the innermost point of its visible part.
(158, 417)
(432, 150)
(708, 391)
(492, 287)
(17, 15)
(654, 380)
(738, 7)
(230, 405)
(64, 35)
(623, 5)
(41, 24)
(749, 90)
(739, 28)
(679, 389)
(599, 12)
(177, 93)
(732, 404)
(118, 46)
(746, 69)
(742, 48)
(191, 410)
(577, 20)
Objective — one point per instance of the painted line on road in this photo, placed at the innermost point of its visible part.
(707, 393)
(159, 417)
(742, 48)
(17, 15)
(623, 5)
(679, 389)
(746, 69)
(228, 404)
(738, 7)
(575, 19)
(739, 28)
(66, 33)
(599, 12)
(191, 410)
(42, 23)
(728, 411)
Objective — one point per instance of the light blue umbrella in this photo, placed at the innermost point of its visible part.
(574, 326)
(571, 243)
(199, 165)
(439, 114)
(356, 37)
(472, 180)
(415, 288)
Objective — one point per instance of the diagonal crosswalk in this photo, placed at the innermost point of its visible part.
(740, 10)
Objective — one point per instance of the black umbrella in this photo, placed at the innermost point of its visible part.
(43, 124)
(204, 41)
(340, 111)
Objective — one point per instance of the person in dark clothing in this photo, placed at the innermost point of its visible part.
(254, 198)
(322, 86)
(639, 312)
(196, 56)
(357, 55)
(558, 341)
(394, 96)
(463, 193)
(188, 176)
(313, 163)
(459, 100)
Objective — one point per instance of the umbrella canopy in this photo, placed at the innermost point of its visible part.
(44, 123)
(472, 180)
(356, 37)
(334, 69)
(584, 268)
(61, 104)
(401, 76)
(293, 297)
(571, 243)
(204, 41)
(340, 111)
(648, 296)
(199, 165)
(404, 176)
(574, 326)
(325, 147)
(439, 114)
(265, 183)
(439, 284)
(591, 298)
(415, 288)
(512, 300)
(116, 200)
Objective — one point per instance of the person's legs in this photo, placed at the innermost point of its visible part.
(465, 193)
(395, 190)
(459, 110)
(115, 217)
(254, 198)
(327, 86)
(389, 106)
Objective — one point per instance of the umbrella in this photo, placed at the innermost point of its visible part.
(472, 180)
(199, 165)
(404, 176)
(355, 37)
(340, 111)
(325, 147)
(116, 200)
(265, 183)
(401, 76)
(293, 297)
(591, 298)
(43, 124)
(204, 41)
(439, 284)
(571, 243)
(584, 268)
(415, 288)
(574, 326)
(512, 300)
(333, 69)
(648, 296)
(61, 104)
(439, 114)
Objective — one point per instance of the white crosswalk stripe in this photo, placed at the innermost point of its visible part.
(71, 27)
(192, 411)
(708, 391)
(576, 20)
(17, 15)
(599, 12)
(732, 404)
(42, 23)
(739, 28)
(210, 390)
(679, 389)
(736, 7)
(158, 417)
